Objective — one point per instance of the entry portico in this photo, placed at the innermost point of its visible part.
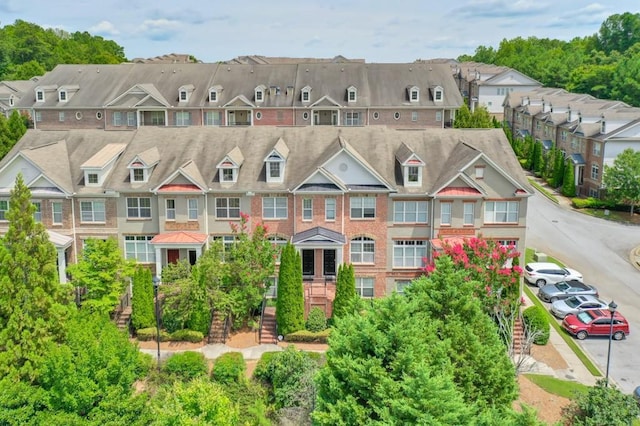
(170, 247)
(321, 250)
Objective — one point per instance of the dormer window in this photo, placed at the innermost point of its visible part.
(412, 166)
(259, 93)
(414, 94)
(11, 100)
(62, 96)
(438, 94)
(184, 92)
(305, 95)
(603, 127)
(213, 95)
(138, 175)
(230, 166)
(39, 95)
(275, 168)
(183, 96)
(352, 94)
(91, 178)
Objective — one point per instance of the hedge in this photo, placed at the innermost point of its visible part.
(146, 334)
(535, 319)
(304, 336)
(229, 368)
(186, 365)
(261, 372)
(591, 203)
(185, 335)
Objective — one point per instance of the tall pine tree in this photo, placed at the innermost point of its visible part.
(33, 303)
(142, 304)
(346, 295)
(290, 302)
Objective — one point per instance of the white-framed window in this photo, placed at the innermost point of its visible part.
(501, 211)
(597, 149)
(62, 96)
(170, 209)
(227, 242)
(138, 207)
(99, 115)
(138, 175)
(363, 250)
(307, 209)
(364, 287)
(513, 244)
(414, 175)
(468, 213)
(305, 115)
(92, 178)
(192, 208)
(437, 95)
(409, 253)
(56, 212)
(183, 96)
(183, 118)
(594, 171)
(258, 115)
(275, 167)
(212, 118)
(92, 211)
(401, 285)
(38, 116)
(61, 116)
(157, 118)
(352, 118)
(228, 174)
(78, 115)
(274, 207)
(396, 115)
(228, 208)
(4, 207)
(131, 119)
(116, 118)
(330, 209)
(213, 95)
(259, 95)
(138, 248)
(39, 95)
(479, 170)
(363, 207)
(414, 95)
(305, 95)
(352, 94)
(410, 211)
(445, 213)
(414, 115)
(37, 214)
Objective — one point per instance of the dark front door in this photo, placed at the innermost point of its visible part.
(173, 255)
(308, 268)
(192, 257)
(329, 262)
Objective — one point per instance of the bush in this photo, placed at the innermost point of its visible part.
(229, 368)
(186, 365)
(187, 336)
(317, 320)
(304, 336)
(261, 372)
(146, 334)
(591, 203)
(535, 320)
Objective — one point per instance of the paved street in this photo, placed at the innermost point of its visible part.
(600, 250)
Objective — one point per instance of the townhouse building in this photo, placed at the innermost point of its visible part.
(380, 198)
(133, 95)
(591, 132)
(11, 92)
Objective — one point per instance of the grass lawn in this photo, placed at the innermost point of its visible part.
(564, 388)
(543, 191)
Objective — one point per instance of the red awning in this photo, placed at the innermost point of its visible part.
(179, 187)
(179, 238)
(459, 191)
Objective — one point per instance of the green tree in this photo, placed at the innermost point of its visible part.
(537, 161)
(625, 84)
(103, 272)
(619, 32)
(290, 297)
(568, 180)
(33, 303)
(602, 405)
(622, 179)
(558, 168)
(142, 300)
(344, 302)
(478, 119)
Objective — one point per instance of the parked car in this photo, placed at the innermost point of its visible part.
(565, 289)
(636, 395)
(574, 304)
(543, 273)
(596, 323)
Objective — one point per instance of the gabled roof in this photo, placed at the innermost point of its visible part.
(406, 156)
(180, 238)
(318, 235)
(325, 101)
(189, 171)
(103, 157)
(234, 156)
(139, 95)
(53, 162)
(148, 158)
(240, 101)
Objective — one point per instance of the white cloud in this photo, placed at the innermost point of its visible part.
(104, 28)
(159, 29)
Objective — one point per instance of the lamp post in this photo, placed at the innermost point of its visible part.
(156, 284)
(612, 309)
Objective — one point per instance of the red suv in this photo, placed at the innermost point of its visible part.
(596, 323)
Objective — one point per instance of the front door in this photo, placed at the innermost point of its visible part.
(329, 268)
(173, 255)
(308, 267)
(192, 257)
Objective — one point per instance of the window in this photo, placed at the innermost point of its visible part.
(183, 118)
(597, 149)
(376, 115)
(594, 171)
(362, 250)
(501, 211)
(401, 285)
(414, 115)
(157, 118)
(306, 96)
(56, 212)
(415, 95)
(99, 115)
(363, 207)
(183, 96)
(409, 253)
(62, 96)
(131, 119)
(278, 242)
(396, 115)
(61, 116)
(445, 213)
(274, 208)
(413, 174)
(227, 243)
(437, 95)
(117, 118)
(438, 115)
(305, 116)
(170, 209)
(364, 287)
(40, 95)
(227, 175)
(511, 244)
(138, 208)
(307, 209)
(563, 135)
(259, 95)
(213, 96)
(410, 211)
(227, 208)
(258, 115)
(38, 116)
(594, 193)
(479, 172)
(137, 247)
(274, 169)
(329, 209)
(37, 214)
(352, 119)
(212, 118)
(92, 211)
(4, 207)
(92, 178)
(468, 214)
(192, 208)
(138, 175)
(352, 94)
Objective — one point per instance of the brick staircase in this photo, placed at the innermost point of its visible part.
(268, 332)
(216, 331)
(520, 346)
(319, 295)
(124, 318)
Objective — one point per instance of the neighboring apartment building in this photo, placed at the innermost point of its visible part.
(590, 131)
(382, 199)
(133, 95)
(11, 92)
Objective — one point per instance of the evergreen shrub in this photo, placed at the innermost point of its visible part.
(186, 365)
(535, 319)
(317, 320)
(229, 368)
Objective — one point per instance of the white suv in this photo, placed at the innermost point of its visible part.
(543, 273)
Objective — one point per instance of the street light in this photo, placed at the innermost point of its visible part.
(156, 284)
(612, 309)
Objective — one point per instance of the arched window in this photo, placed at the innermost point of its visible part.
(363, 250)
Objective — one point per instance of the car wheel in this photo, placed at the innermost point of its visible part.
(581, 335)
(540, 283)
(618, 335)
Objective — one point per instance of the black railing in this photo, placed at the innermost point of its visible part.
(227, 328)
(262, 308)
(213, 315)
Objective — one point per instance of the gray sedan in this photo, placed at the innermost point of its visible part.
(574, 304)
(565, 289)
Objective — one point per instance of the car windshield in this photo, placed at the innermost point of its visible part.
(584, 317)
(573, 302)
(562, 286)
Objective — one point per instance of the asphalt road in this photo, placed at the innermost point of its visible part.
(599, 249)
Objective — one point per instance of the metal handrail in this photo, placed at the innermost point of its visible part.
(213, 312)
(227, 327)
(264, 306)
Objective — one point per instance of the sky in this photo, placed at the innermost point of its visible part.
(374, 30)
